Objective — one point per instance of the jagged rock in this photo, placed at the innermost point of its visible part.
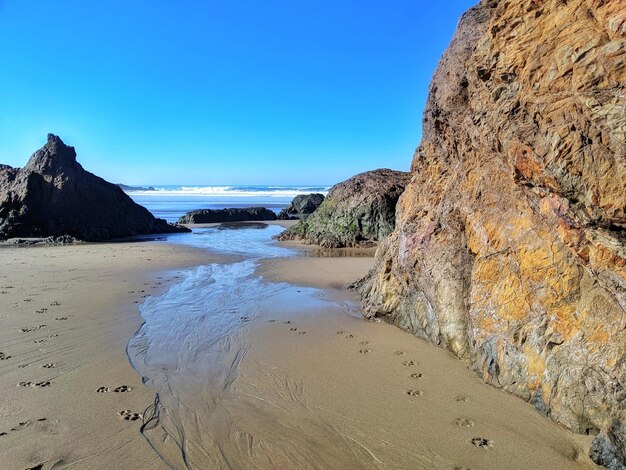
(53, 196)
(607, 448)
(510, 241)
(301, 206)
(208, 216)
(360, 210)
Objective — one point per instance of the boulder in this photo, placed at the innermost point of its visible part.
(208, 216)
(301, 206)
(53, 196)
(358, 211)
(510, 241)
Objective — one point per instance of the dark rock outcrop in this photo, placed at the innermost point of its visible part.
(209, 216)
(126, 187)
(510, 241)
(301, 206)
(54, 196)
(360, 210)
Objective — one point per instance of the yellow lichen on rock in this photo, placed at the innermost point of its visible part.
(510, 239)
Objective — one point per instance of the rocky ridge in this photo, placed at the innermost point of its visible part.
(358, 211)
(510, 241)
(53, 196)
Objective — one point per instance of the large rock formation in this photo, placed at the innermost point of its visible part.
(54, 196)
(208, 216)
(301, 206)
(510, 241)
(357, 211)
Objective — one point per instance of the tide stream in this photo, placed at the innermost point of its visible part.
(189, 351)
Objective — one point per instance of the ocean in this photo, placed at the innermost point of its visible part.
(170, 202)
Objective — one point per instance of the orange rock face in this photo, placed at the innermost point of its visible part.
(510, 241)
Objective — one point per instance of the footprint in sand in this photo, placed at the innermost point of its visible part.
(462, 399)
(288, 322)
(341, 332)
(482, 442)
(349, 336)
(24, 424)
(399, 353)
(61, 318)
(409, 363)
(272, 321)
(27, 300)
(293, 329)
(55, 303)
(49, 366)
(39, 341)
(103, 390)
(41, 310)
(28, 329)
(129, 415)
(45, 383)
(4, 357)
(460, 467)
(122, 389)
(464, 423)
(364, 343)
(302, 332)
(416, 375)
(414, 393)
(365, 351)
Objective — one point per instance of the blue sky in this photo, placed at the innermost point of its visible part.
(228, 92)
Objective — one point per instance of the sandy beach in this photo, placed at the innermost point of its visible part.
(317, 387)
(66, 314)
(406, 402)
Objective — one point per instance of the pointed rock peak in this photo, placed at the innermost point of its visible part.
(53, 154)
(58, 147)
(54, 138)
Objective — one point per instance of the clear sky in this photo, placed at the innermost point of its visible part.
(220, 92)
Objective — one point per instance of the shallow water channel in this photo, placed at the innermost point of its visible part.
(191, 346)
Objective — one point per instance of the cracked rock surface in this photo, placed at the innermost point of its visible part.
(356, 212)
(510, 241)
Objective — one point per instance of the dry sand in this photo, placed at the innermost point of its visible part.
(66, 314)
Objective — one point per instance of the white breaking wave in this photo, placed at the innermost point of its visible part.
(232, 191)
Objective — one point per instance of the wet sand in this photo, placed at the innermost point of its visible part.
(398, 401)
(66, 314)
